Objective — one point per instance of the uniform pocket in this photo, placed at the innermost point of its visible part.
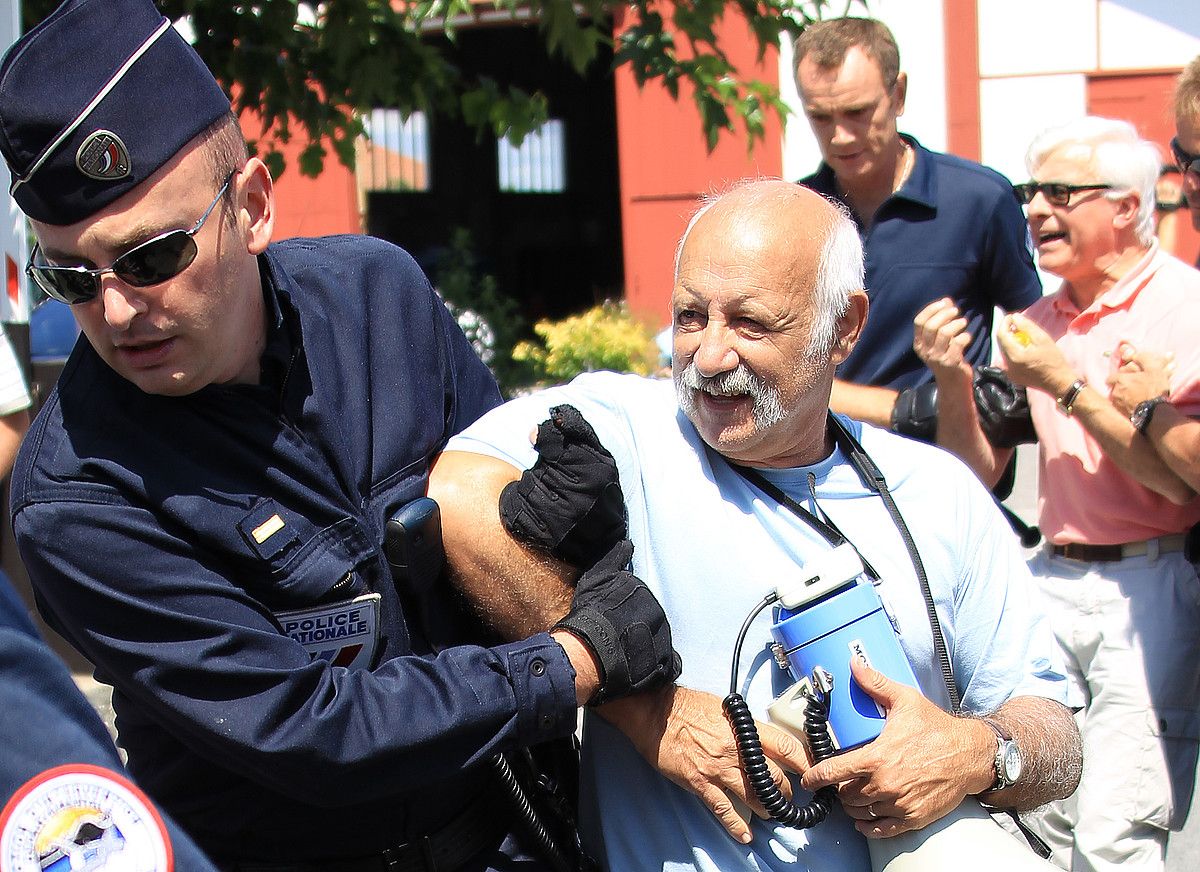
(293, 563)
(1179, 731)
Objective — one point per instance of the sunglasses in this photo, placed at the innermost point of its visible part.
(1187, 162)
(1056, 193)
(153, 261)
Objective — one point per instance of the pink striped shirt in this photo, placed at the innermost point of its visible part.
(1082, 495)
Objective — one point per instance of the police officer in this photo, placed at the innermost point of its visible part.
(202, 503)
(62, 789)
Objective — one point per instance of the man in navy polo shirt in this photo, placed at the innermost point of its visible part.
(933, 225)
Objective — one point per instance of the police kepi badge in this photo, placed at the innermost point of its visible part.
(78, 817)
(103, 156)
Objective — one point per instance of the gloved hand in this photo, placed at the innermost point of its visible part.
(618, 618)
(915, 413)
(569, 504)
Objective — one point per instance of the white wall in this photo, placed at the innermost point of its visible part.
(1034, 58)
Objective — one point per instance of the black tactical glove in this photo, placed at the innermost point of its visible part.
(570, 503)
(915, 413)
(617, 616)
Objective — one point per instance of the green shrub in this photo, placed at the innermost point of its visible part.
(603, 337)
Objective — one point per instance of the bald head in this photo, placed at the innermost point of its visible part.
(812, 239)
(767, 301)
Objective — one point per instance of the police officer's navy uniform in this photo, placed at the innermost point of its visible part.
(142, 519)
(57, 762)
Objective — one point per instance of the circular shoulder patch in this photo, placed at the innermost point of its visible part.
(103, 156)
(80, 817)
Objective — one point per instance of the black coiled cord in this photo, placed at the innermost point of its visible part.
(754, 761)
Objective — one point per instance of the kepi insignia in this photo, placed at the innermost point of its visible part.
(103, 156)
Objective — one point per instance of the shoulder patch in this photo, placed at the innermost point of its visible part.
(81, 817)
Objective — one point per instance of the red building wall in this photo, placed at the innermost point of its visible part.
(1147, 101)
(305, 206)
(665, 168)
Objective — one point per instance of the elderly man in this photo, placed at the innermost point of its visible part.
(222, 506)
(933, 225)
(1115, 496)
(767, 301)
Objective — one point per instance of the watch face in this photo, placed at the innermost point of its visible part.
(1012, 762)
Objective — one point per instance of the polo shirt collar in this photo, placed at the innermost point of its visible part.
(921, 184)
(1120, 294)
(919, 188)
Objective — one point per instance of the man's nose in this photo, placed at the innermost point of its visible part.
(716, 353)
(121, 302)
(1039, 206)
(841, 133)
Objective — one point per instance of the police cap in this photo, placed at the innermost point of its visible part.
(95, 99)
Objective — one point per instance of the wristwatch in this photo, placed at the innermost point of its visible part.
(1144, 411)
(1008, 758)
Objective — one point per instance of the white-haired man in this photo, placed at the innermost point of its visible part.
(767, 301)
(1113, 505)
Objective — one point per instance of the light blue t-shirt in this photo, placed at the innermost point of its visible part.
(711, 547)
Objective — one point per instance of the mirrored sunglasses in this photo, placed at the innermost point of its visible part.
(1185, 160)
(153, 261)
(1056, 193)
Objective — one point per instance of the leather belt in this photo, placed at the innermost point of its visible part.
(481, 824)
(1111, 553)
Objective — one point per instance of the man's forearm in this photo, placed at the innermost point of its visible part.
(516, 590)
(1051, 752)
(863, 402)
(1126, 447)
(959, 431)
(1176, 438)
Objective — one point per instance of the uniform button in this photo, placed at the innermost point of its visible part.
(538, 667)
(547, 721)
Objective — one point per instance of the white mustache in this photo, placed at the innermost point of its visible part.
(768, 405)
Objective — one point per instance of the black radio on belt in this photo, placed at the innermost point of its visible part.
(412, 544)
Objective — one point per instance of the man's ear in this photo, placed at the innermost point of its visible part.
(1127, 211)
(256, 205)
(850, 326)
(899, 92)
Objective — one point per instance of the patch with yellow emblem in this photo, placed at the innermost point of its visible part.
(82, 818)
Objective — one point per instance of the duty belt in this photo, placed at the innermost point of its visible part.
(1112, 553)
(480, 825)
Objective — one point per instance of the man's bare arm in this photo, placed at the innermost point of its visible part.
(1146, 375)
(517, 591)
(863, 402)
(927, 761)
(12, 430)
(1051, 752)
(682, 733)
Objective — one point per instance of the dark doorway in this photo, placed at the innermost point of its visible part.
(555, 253)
